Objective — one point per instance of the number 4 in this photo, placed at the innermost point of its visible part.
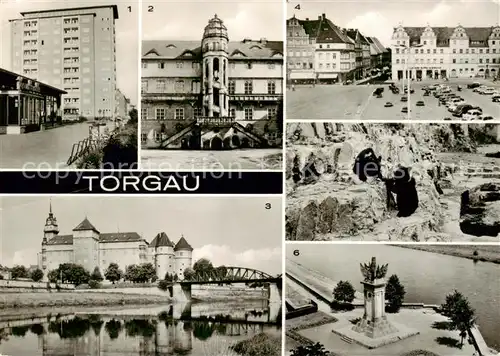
(297, 7)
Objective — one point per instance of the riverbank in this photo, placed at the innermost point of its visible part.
(70, 299)
(485, 253)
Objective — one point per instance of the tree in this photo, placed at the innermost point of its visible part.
(168, 277)
(53, 276)
(133, 116)
(147, 273)
(316, 349)
(451, 301)
(132, 273)
(463, 318)
(19, 272)
(203, 265)
(96, 275)
(113, 273)
(37, 275)
(394, 293)
(78, 275)
(344, 292)
(176, 277)
(221, 271)
(189, 274)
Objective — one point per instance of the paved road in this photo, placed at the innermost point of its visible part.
(48, 149)
(356, 102)
(175, 160)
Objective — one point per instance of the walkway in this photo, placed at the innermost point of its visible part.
(48, 149)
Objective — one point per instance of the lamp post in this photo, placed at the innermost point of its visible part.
(407, 71)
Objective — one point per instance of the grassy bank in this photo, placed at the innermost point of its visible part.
(60, 299)
(489, 253)
(293, 326)
(261, 344)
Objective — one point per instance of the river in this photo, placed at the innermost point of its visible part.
(189, 329)
(427, 277)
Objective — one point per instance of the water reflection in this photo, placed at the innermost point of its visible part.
(122, 333)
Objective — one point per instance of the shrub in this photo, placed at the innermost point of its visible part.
(31, 128)
(93, 284)
(163, 285)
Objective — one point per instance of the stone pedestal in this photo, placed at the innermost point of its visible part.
(374, 323)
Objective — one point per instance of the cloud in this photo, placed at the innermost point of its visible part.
(266, 260)
(373, 24)
(21, 257)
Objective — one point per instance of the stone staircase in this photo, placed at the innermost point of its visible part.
(346, 339)
(178, 135)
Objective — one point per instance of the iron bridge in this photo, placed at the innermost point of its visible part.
(231, 275)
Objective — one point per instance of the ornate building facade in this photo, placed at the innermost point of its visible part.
(90, 248)
(445, 52)
(211, 94)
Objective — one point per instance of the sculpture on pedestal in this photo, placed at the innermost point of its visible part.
(374, 323)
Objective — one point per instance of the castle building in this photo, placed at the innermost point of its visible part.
(90, 248)
(445, 52)
(72, 49)
(211, 94)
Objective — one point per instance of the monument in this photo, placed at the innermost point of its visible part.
(373, 330)
(374, 323)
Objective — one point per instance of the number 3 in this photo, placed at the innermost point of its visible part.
(268, 206)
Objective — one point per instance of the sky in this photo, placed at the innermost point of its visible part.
(231, 231)
(183, 20)
(378, 18)
(126, 27)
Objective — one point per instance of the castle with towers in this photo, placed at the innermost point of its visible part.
(90, 248)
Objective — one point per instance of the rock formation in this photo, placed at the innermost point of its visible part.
(325, 200)
(480, 210)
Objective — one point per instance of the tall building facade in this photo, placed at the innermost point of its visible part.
(320, 51)
(90, 248)
(72, 49)
(210, 93)
(445, 52)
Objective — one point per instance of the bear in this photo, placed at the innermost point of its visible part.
(367, 164)
(405, 188)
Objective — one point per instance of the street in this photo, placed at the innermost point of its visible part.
(356, 102)
(48, 149)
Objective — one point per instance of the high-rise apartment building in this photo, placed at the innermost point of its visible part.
(73, 49)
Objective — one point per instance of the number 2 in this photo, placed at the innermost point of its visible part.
(151, 8)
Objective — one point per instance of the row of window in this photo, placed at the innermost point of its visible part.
(71, 100)
(161, 113)
(179, 86)
(454, 60)
(348, 46)
(31, 33)
(454, 42)
(197, 65)
(30, 23)
(441, 51)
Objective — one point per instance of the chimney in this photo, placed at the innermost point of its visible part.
(263, 40)
(319, 18)
(307, 18)
(324, 16)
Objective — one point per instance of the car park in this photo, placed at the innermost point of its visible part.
(388, 104)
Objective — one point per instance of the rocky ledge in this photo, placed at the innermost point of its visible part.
(480, 210)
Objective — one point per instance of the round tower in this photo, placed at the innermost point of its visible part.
(50, 230)
(163, 255)
(215, 47)
(183, 257)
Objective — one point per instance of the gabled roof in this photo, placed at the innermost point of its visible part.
(85, 225)
(250, 49)
(311, 27)
(183, 245)
(160, 240)
(377, 44)
(443, 34)
(329, 33)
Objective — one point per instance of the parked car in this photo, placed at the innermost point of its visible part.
(488, 118)
(404, 99)
(454, 101)
(447, 118)
(404, 109)
(461, 109)
(426, 93)
(388, 104)
(488, 91)
(496, 98)
(378, 91)
(473, 85)
(411, 91)
(472, 115)
(420, 103)
(480, 89)
(380, 96)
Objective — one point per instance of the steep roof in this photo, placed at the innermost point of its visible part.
(311, 27)
(443, 35)
(329, 33)
(182, 244)
(250, 49)
(161, 240)
(377, 44)
(85, 225)
(104, 238)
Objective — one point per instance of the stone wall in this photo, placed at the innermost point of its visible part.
(15, 285)
(326, 200)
